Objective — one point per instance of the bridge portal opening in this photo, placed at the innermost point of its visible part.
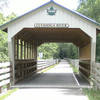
(28, 40)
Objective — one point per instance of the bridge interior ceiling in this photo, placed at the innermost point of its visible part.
(41, 35)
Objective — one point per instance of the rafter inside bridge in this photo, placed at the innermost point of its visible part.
(41, 35)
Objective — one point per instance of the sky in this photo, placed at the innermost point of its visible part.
(21, 6)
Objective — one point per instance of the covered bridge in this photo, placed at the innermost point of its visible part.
(50, 22)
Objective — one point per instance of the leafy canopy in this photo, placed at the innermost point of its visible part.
(4, 38)
(91, 8)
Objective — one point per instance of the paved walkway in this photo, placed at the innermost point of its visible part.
(60, 76)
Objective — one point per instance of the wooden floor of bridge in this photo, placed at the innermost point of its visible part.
(60, 76)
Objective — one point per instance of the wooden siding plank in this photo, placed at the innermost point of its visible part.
(4, 82)
(5, 76)
(4, 70)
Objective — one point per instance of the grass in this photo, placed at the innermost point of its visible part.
(8, 94)
(75, 69)
(92, 94)
(46, 69)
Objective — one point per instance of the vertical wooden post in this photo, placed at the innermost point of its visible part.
(24, 50)
(21, 53)
(13, 62)
(17, 49)
(35, 51)
(8, 86)
(32, 50)
(27, 50)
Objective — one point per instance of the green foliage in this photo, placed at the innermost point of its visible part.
(98, 48)
(3, 47)
(58, 50)
(91, 8)
(67, 50)
(48, 50)
(75, 69)
(4, 38)
(92, 94)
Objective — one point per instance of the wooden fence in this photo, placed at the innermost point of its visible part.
(74, 62)
(24, 68)
(83, 65)
(41, 64)
(5, 75)
(5, 70)
(96, 74)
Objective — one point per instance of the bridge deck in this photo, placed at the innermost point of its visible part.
(59, 76)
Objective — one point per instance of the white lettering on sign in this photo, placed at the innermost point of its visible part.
(51, 25)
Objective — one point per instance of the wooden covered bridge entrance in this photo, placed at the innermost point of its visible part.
(49, 23)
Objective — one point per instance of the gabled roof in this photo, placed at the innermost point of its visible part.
(74, 12)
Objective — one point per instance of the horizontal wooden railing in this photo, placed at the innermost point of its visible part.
(96, 74)
(84, 67)
(24, 68)
(5, 75)
(41, 64)
(74, 62)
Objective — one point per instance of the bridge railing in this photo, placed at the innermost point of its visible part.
(5, 75)
(74, 62)
(96, 74)
(41, 64)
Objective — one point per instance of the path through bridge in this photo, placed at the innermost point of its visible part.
(52, 84)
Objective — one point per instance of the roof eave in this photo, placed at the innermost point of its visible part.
(79, 14)
(5, 25)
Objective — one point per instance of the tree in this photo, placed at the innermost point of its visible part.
(91, 8)
(48, 50)
(98, 48)
(4, 38)
(3, 46)
(67, 50)
(58, 50)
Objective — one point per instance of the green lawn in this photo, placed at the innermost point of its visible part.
(7, 94)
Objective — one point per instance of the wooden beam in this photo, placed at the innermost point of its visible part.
(32, 50)
(21, 52)
(27, 50)
(17, 49)
(24, 50)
